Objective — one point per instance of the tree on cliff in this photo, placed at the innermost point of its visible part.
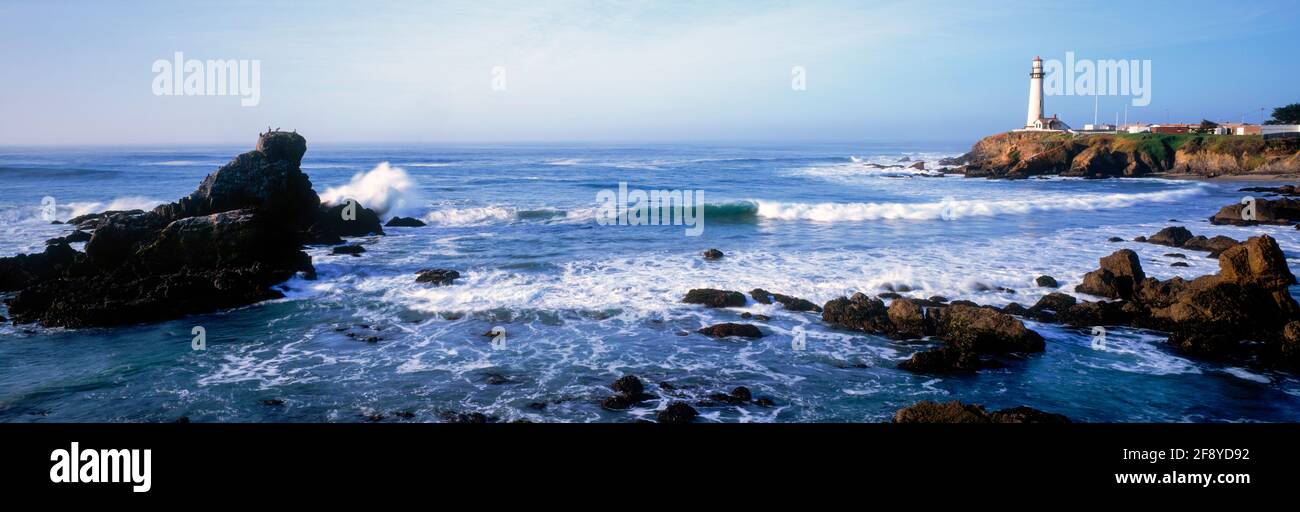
(1289, 114)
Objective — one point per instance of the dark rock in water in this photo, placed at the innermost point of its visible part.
(1139, 239)
(56, 222)
(628, 385)
(1179, 264)
(859, 313)
(908, 319)
(183, 419)
(764, 402)
(791, 303)
(926, 411)
(713, 254)
(225, 245)
(947, 359)
(343, 220)
(462, 417)
(404, 222)
(437, 276)
(738, 396)
(984, 330)
(729, 329)
(890, 296)
(24, 270)
(496, 379)
(1267, 211)
(1178, 255)
(352, 249)
(273, 402)
(631, 391)
(746, 315)
(677, 412)
(1056, 302)
(1118, 277)
(714, 298)
(938, 299)
(1215, 245)
(1046, 282)
(1174, 236)
(406, 415)
(920, 166)
(1115, 239)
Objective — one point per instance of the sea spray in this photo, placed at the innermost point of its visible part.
(385, 189)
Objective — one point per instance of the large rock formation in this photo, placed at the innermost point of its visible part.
(970, 333)
(227, 244)
(1023, 154)
(1241, 313)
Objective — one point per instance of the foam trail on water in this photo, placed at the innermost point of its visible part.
(385, 189)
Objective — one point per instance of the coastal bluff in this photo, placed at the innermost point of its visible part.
(227, 244)
(1018, 155)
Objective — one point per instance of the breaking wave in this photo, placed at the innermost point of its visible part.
(384, 189)
(954, 209)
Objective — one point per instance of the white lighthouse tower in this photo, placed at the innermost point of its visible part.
(1035, 93)
(1035, 121)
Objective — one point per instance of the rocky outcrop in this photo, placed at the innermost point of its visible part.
(437, 276)
(1023, 154)
(1267, 211)
(791, 303)
(227, 244)
(1239, 314)
(1181, 237)
(677, 412)
(1118, 277)
(404, 222)
(729, 329)
(926, 411)
(970, 333)
(714, 298)
(629, 390)
(713, 254)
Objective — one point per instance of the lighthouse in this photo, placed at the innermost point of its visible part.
(1035, 93)
(1035, 120)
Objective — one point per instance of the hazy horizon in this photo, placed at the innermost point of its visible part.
(627, 72)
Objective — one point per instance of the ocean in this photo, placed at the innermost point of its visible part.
(583, 304)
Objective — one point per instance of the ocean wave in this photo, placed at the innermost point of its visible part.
(955, 209)
(384, 189)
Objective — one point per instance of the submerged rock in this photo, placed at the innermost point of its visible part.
(352, 249)
(713, 254)
(1046, 282)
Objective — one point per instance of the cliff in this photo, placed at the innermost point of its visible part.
(1023, 154)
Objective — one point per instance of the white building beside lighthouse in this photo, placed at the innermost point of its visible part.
(1035, 121)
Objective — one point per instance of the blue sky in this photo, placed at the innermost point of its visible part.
(80, 72)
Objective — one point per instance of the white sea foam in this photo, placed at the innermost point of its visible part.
(386, 189)
(956, 209)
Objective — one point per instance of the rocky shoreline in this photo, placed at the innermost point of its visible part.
(1020, 155)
